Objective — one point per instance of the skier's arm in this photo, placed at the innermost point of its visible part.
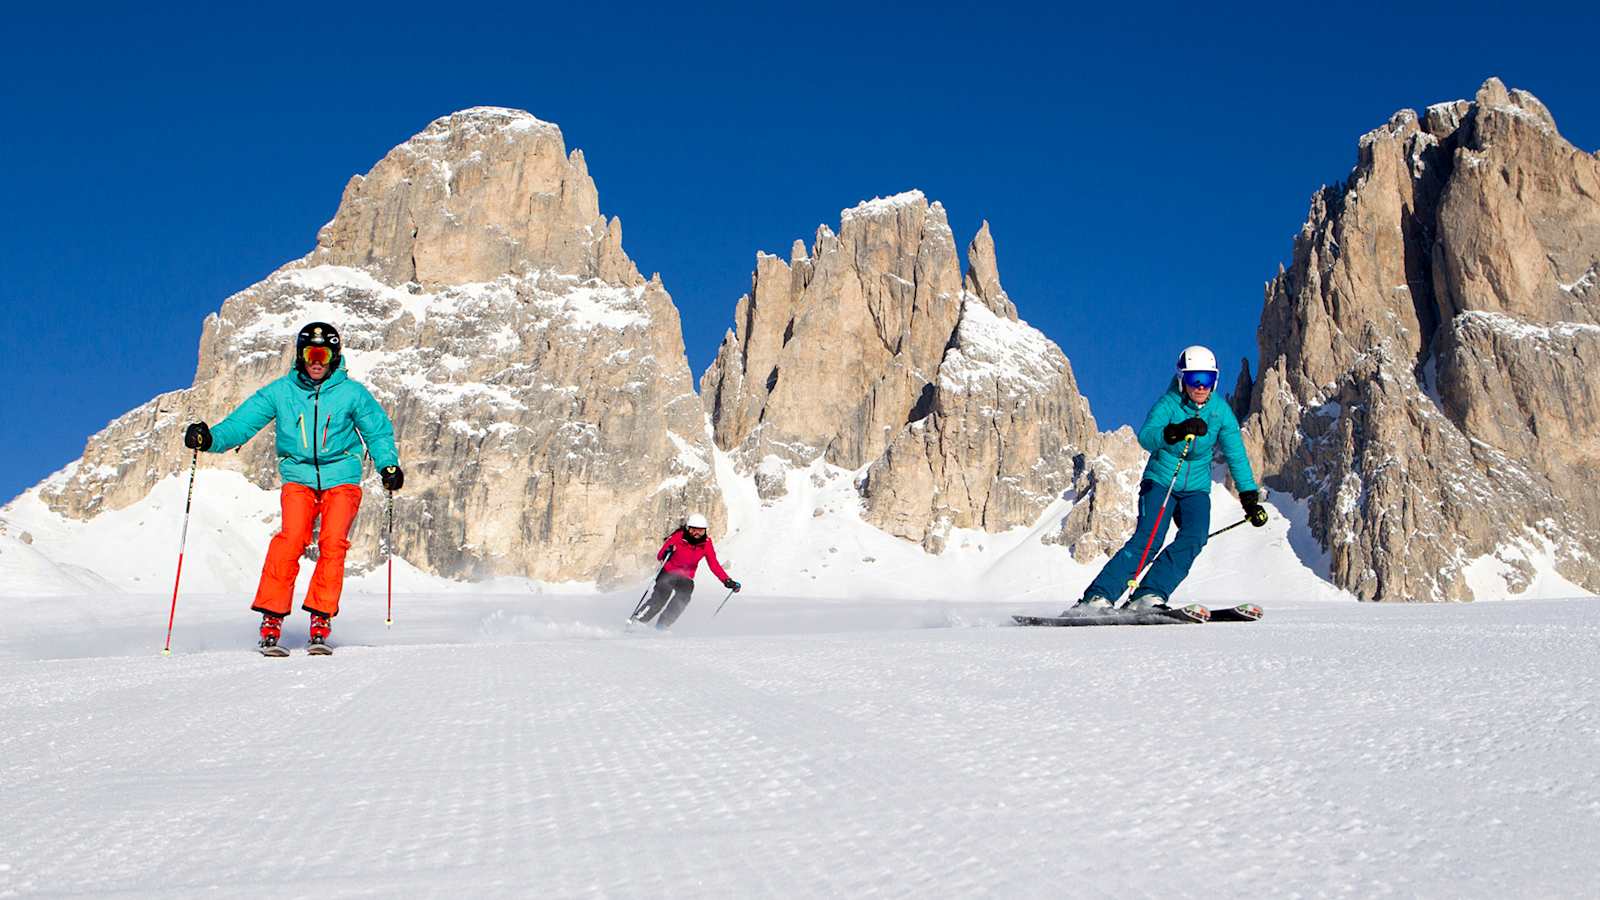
(375, 429)
(1150, 437)
(670, 545)
(1232, 444)
(713, 565)
(242, 424)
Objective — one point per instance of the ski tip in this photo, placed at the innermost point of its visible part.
(1244, 612)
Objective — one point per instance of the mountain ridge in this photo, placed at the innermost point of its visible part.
(551, 426)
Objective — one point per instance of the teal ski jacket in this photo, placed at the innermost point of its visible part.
(321, 428)
(1221, 428)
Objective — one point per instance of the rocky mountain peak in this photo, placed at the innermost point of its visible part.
(873, 353)
(832, 350)
(1494, 99)
(478, 194)
(1428, 356)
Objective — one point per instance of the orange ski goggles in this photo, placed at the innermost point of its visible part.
(317, 356)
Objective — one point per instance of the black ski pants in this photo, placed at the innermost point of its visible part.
(669, 598)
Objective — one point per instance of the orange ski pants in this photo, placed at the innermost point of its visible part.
(301, 506)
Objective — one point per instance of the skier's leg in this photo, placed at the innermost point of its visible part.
(682, 590)
(339, 507)
(278, 573)
(1192, 512)
(658, 597)
(1113, 577)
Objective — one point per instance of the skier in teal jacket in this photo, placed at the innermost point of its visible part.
(1182, 432)
(324, 420)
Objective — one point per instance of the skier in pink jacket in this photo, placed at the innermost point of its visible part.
(682, 553)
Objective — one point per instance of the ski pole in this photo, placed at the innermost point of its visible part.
(388, 550)
(723, 603)
(1236, 524)
(194, 463)
(1227, 528)
(643, 597)
(1182, 461)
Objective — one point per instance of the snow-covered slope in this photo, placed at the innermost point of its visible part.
(511, 746)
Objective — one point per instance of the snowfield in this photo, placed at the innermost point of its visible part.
(523, 745)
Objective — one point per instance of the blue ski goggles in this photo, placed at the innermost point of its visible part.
(1200, 379)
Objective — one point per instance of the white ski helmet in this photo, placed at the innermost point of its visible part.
(696, 520)
(1197, 359)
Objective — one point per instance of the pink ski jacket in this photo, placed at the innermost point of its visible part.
(686, 556)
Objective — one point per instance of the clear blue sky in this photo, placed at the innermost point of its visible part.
(1144, 169)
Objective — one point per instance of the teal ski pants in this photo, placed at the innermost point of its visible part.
(1191, 510)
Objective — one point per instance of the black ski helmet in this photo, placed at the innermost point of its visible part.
(317, 334)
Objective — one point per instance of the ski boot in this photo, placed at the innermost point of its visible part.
(1152, 602)
(271, 630)
(1148, 601)
(321, 629)
(1089, 606)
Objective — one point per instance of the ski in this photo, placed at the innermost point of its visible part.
(318, 649)
(274, 650)
(1244, 612)
(1192, 614)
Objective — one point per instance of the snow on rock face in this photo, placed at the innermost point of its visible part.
(1011, 355)
(875, 354)
(880, 205)
(541, 395)
(1431, 356)
(1007, 435)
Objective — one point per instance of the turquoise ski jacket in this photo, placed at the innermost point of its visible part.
(320, 428)
(1221, 428)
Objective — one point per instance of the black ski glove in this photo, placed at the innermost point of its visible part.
(731, 585)
(393, 477)
(1253, 511)
(197, 437)
(1177, 431)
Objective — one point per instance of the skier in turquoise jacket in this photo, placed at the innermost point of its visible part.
(325, 420)
(1182, 432)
